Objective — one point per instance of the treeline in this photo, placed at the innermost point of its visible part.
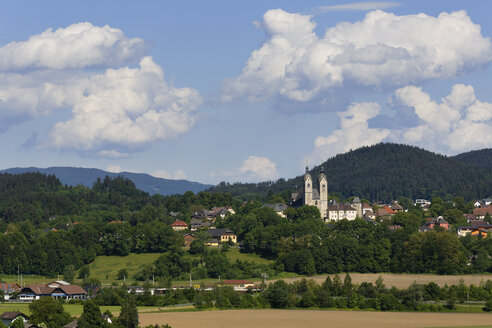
(306, 293)
(386, 171)
(303, 244)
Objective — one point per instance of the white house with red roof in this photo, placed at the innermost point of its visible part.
(179, 225)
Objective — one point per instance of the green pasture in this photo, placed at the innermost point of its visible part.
(105, 268)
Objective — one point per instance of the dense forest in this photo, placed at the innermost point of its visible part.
(386, 171)
(478, 158)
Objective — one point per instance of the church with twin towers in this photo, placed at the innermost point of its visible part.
(317, 195)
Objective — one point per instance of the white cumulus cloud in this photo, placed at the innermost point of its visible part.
(354, 132)
(459, 122)
(256, 167)
(381, 51)
(115, 109)
(76, 46)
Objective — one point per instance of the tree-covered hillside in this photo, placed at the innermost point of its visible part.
(478, 158)
(384, 172)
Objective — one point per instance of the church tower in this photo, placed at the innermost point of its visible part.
(308, 188)
(323, 193)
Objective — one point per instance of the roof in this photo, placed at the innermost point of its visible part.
(219, 232)
(356, 200)
(341, 207)
(277, 207)
(365, 205)
(40, 289)
(72, 324)
(478, 223)
(396, 206)
(237, 282)
(179, 224)
(315, 194)
(482, 211)
(12, 315)
(9, 287)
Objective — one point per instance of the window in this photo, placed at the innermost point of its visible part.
(308, 185)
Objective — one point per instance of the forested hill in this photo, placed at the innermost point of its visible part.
(479, 158)
(384, 172)
(73, 176)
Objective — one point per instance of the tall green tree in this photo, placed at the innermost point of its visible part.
(91, 317)
(50, 312)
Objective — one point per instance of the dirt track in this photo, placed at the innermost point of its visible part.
(313, 318)
(405, 280)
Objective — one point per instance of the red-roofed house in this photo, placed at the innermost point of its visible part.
(481, 212)
(179, 226)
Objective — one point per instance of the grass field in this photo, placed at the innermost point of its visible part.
(233, 254)
(314, 318)
(105, 268)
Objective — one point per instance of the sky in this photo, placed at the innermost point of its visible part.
(246, 91)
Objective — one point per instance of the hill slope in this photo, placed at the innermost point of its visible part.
(478, 158)
(73, 176)
(384, 172)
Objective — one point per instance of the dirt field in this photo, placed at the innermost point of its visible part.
(313, 318)
(405, 280)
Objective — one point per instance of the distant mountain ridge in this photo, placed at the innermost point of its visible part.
(73, 176)
(386, 171)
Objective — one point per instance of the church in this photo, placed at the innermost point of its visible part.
(318, 196)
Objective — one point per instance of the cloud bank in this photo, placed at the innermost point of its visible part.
(459, 122)
(381, 52)
(115, 109)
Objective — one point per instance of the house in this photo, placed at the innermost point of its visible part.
(179, 225)
(188, 239)
(9, 317)
(396, 207)
(366, 208)
(469, 217)
(482, 230)
(422, 202)
(8, 289)
(221, 236)
(481, 212)
(384, 211)
(438, 222)
(337, 212)
(222, 211)
(278, 208)
(55, 289)
(196, 224)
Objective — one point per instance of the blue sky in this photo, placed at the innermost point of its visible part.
(238, 90)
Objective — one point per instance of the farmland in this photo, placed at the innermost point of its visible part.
(314, 318)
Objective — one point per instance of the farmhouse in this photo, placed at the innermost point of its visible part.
(221, 236)
(56, 289)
